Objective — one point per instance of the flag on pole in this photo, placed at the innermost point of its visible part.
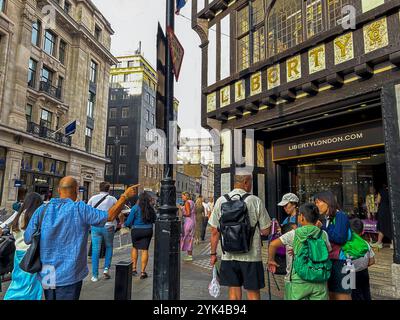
(70, 129)
(179, 5)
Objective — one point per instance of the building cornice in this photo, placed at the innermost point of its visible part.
(81, 31)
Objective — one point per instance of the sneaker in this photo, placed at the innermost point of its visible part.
(94, 279)
(188, 258)
(391, 246)
(106, 275)
(377, 245)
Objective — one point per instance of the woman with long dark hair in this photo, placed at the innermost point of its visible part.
(141, 220)
(337, 225)
(24, 286)
(385, 224)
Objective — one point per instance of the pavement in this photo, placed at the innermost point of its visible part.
(195, 276)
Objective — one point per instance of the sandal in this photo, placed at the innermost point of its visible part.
(144, 275)
(134, 273)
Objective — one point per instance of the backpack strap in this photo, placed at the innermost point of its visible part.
(245, 196)
(226, 196)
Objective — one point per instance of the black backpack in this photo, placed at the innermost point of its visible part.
(234, 225)
(7, 251)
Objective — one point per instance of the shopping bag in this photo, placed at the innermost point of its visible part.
(214, 288)
(124, 230)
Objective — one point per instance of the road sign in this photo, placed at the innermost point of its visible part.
(18, 183)
(176, 50)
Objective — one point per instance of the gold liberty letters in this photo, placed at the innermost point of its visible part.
(316, 59)
(344, 48)
(293, 68)
(211, 102)
(240, 93)
(225, 96)
(255, 84)
(376, 35)
(274, 76)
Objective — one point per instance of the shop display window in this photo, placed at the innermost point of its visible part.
(355, 180)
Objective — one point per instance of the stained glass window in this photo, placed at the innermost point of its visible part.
(314, 19)
(285, 27)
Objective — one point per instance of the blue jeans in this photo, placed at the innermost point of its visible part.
(97, 235)
(71, 292)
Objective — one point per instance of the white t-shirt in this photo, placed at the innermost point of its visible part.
(257, 213)
(362, 263)
(287, 240)
(105, 205)
(206, 208)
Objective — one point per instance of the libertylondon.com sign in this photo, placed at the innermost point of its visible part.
(327, 141)
(357, 136)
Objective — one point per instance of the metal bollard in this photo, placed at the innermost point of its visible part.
(123, 281)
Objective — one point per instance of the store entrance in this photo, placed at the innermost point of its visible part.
(354, 179)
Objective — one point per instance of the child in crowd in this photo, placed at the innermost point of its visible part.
(289, 256)
(309, 235)
(362, 290)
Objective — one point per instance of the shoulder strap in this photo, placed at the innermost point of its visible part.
(101, 201)
(41, 217)
(244, 197)
(226, 196)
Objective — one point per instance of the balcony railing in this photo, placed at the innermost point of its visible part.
(46, 133)
(50, 90)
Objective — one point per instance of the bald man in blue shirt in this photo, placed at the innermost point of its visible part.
(64, 237)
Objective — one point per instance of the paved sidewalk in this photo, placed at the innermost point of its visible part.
(195, 276)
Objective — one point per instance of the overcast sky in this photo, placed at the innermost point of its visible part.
(136, 20)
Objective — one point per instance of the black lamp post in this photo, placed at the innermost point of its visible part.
(166, 281)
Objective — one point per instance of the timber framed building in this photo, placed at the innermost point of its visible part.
(323, 98)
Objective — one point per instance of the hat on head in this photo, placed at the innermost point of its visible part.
(288, 197)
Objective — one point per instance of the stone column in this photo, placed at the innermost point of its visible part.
(12, 172)
(17, 83)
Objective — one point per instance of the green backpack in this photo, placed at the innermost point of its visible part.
(311, 262)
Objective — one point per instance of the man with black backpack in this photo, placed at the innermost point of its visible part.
(238, 221)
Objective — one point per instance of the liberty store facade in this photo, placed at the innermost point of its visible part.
(322, 99)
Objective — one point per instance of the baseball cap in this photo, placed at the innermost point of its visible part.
(288, 197)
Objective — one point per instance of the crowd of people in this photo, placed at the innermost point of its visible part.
(318, 245)
(66, 224)
(325, 255)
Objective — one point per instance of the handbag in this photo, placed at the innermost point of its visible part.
(31, 261)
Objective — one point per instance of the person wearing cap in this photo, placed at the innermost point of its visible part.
(290, 203)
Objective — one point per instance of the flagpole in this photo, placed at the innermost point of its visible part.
(64, 126)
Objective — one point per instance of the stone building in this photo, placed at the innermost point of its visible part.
(54, 69)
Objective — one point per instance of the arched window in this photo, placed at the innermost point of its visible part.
(285, 26)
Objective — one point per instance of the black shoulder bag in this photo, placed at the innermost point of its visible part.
(31, 261)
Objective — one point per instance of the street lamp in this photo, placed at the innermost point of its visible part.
(166, 274)
(116, 143)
